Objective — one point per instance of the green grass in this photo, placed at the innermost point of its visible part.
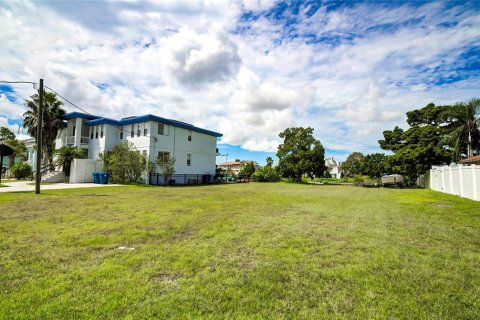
(239, 251)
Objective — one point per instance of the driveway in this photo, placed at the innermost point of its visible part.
(27, 186)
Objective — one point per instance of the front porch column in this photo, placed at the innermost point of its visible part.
(78, 132)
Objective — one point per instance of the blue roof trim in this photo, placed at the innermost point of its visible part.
(150, 117)
(99, 121)
(73, 115)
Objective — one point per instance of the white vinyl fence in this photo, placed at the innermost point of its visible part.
(463, 181)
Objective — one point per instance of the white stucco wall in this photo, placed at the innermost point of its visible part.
(82, 170)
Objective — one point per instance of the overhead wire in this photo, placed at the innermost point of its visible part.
(84, 111)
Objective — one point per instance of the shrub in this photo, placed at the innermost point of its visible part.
(358, 180)
(267, 174)
(21, 170)
(125, 163)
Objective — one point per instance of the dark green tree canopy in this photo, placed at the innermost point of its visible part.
(418, 148)
(374, 165)
(300, 153)
(428, 115)
(6, 134)
(353, 164)
(247, 170)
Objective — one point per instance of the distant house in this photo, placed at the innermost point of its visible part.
(471, 160)
(333, 167)
(237, 165)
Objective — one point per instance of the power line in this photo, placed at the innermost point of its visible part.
(73, 104)
(84, 111)
(68, 101)
(29, 82)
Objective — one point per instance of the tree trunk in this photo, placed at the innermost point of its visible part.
(469, 145)
(299, 177)
(50, 157)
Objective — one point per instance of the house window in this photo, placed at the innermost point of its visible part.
(163, 156)
(189, 159)
(161, 129)
(121, 133)
(73, 130)
(101, 132)
(138, 130)
(132, 132)
(145, 131)
(189, 135)
(91, 132)
(96, 132)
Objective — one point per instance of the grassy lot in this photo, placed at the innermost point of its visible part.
(239, 251)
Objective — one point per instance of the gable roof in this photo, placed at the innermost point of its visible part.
(96, 120)
(471, 159)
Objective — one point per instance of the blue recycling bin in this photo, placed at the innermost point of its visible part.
(96, 178)
(104, 177)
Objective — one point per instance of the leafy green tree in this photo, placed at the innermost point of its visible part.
(300, 153)
(166, 163)
(420, 147)
(268, 173)
(428, 115)
(247, 170)
(125, 163)
(52, 121)
(464, 124)
(6, 134)
(64, 157)
(374, 165)
(353, 164)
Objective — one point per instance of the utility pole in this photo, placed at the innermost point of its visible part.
(38, 174)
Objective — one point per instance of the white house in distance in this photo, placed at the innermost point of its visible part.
(194, 149)
(333, 167)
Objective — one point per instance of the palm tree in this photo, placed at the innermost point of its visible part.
(64, 157)
(465, 123)
(52, 121)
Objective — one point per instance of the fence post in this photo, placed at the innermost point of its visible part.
(460, 172)
(475, 182)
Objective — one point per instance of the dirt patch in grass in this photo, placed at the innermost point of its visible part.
(442, 204)
(167, 276)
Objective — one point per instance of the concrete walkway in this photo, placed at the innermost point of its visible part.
(27, 186)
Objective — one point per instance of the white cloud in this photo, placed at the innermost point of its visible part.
(251, 78)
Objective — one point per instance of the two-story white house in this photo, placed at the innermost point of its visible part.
(194, 149)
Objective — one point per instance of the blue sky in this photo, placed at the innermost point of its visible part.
(348, 69)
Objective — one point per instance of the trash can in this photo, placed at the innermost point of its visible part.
(96, 178)
(104, 177)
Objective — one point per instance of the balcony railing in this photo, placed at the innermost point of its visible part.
(71, 140)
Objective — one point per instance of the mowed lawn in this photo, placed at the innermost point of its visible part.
(245, 251)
